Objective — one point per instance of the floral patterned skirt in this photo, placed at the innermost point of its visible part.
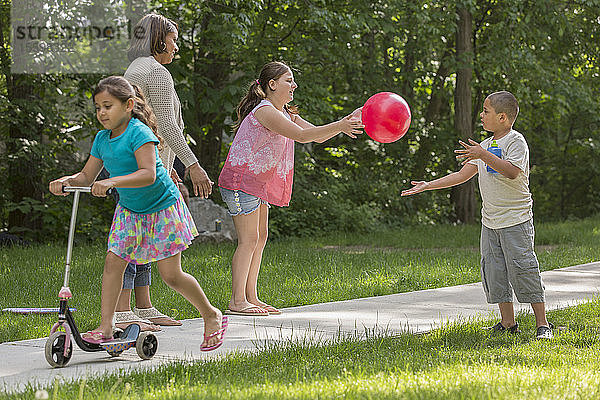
(142, 238)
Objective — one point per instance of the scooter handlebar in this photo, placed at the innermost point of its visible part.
(68, 189)
(84, 189)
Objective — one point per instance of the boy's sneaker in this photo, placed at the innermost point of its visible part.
(544, 332)
(498, 328)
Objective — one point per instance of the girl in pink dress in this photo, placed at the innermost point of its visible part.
(259, 171)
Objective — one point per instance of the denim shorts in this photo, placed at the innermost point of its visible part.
(240, 203)
(136, 276)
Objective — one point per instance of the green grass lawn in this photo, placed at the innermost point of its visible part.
(459, 361)
(294, 272)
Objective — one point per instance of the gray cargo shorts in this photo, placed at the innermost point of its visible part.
(508, 262)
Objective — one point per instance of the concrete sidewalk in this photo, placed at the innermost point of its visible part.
(23, 362)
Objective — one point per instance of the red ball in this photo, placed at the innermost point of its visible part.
(386, 117)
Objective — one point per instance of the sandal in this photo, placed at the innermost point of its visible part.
(272, 310)
(224, 323)
(95, 337)
(123, 319)
(155, 316)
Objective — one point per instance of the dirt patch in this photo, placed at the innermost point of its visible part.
(361, 249)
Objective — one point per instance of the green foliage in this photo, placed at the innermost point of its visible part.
(553, 70)
(323, 201)
(50, 136)
(544, 51)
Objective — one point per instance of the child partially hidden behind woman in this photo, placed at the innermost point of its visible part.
(151, 221)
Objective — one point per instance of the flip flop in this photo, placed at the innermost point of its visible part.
(272, 310)
(246, 311)
(96, 337)
(224, 323)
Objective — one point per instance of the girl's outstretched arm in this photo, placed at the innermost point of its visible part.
(306, 125)
(274, 120)
(85, 177)
(145, 156)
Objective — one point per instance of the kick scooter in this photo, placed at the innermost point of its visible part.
(59, 346)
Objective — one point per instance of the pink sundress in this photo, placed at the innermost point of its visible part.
(260, 162)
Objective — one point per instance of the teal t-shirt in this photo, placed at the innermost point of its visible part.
(118, 157)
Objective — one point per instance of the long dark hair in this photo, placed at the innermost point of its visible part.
(149, 36)
(119, 87)
(258, 91)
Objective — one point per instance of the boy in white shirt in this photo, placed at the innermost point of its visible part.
(508, 260)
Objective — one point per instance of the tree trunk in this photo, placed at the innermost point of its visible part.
(463, 196)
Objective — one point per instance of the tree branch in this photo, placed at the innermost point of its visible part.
(290, 32)
(479, 23)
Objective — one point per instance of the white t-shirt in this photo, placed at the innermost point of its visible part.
(506, 202)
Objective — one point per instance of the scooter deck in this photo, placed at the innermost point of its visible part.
(117, 346)
(126, 341)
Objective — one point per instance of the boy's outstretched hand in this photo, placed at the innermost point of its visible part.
(418, 187)
(470, 152)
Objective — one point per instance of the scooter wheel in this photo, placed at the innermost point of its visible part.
(146, 345)
(55, 349)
